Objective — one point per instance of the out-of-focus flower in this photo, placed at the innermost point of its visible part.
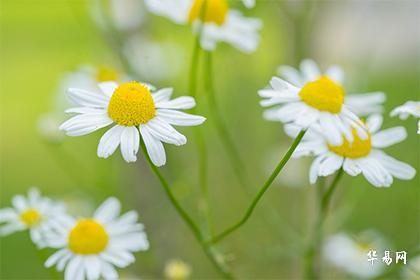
(177, 270)
(132, 108)
(409, 108)
(34, 213)
(149, 59)
(48, 127)
(361, 156)
(89, 248)
(249, 3)
(350, 253)
(361, 104)
(220, 23)
(412, 269)
(312, 98)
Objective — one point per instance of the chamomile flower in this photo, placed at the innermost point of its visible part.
(349, 253)
(89, 248)
(361, 156)
(409, 108)
(134, 111)
(34, 213)
(220, 23)
(177, 270)
(312, 98)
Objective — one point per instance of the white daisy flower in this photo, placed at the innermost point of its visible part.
(35, 213)
(409, 108)
(310, 97)
(349, 253)
(361, 156)
(91, 247)
(177, 270)
(220, 23)
(131, 108)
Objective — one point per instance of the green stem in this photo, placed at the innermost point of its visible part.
(187, 219)
(261, 192)
(222, 131)
(312, 269)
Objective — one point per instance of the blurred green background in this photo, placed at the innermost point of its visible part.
(377, 44)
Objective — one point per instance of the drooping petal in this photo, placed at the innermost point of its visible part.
(110, 141)
(154, 147)
(398, 169)
(165, 132)
(86, 123)
(389, 137)
(130, 142)
(86, 98)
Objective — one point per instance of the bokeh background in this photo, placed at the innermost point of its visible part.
(376, 42)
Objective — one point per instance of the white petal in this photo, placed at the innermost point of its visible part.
(162, 95)
(20, 203)
(8, 214)
(108, 88)
(61, 264)
(165, 132)
(330, 130)
(87, 98)
(335, 73)
(291, 74)
(183, 102)
(130, 142)
(10, 228)
(115, 259)
(351, 167)
(286, 113)
(75, 269)
(109, 141)
(330, 165)
(92, 267)
(108, 210)
(154, 147)
(374, 123)
(388, 137)
(314, 169)
(108, 272)
(397, 168)
(365, 104)
(310, 70)
(85, 110)
(180, 118)
(85, 124)
(375, 173)
(54, 258)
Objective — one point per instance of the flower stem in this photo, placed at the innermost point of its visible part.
(222, 131)
(312, 269)
(261, 192)
(210, 253)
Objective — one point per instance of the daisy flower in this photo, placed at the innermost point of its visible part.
(308, 97)
(220, 23)
(134, 111)
(409, 108)
(91, 247)
(349, 253)
(361, 156)
(177, 270)
(35, 213)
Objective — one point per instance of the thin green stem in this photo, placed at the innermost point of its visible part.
(313, 270)
(261, 192)
(222, 131)
(210, 253)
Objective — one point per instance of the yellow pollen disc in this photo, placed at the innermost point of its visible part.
(358, 148)
(215, 11)
(87, 238)
(131, 104)
(105, 74)
(323, 94)
(30, 217)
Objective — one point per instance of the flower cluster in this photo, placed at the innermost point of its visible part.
(88, 247)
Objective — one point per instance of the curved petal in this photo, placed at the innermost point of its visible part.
(165, 132)
(398, 169)
(388, 137)
(85, 124)
(183, 102)
(162, 95)
(108, 88)
(180, 118)
(310, 70)
(92, 267)
(291, 74)
(351, 167)
(86, 98)
(154, 147)
(108, 210)
(374, 123)
(335, 73)
(75, 269)
(110, 141)
(130, 142)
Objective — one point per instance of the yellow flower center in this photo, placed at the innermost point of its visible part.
(323, 94)
(88, 238)
(358, 148)
(131, 104)
(30, 217)
(105, 74)
(215, 11)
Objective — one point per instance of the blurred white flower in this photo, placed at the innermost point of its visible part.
(361, 156)
(310, 98)
(34, 213)
(48, 127)
(363, 104)
(89, 248)
(220, 23)
(409, 108)
(177, 270)
(127, 14)
(249, 3)
(349, 253)
(149, 59)
(411, 270)
(132, 108)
